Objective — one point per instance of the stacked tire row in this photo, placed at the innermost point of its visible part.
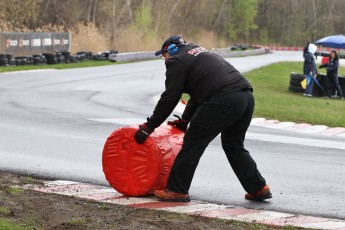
(296, 87)
(54, 58)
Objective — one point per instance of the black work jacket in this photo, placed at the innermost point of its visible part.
(201, 74)
(332, 67)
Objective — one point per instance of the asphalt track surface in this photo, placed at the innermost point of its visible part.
(54, 124)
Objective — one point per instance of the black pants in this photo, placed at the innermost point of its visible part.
(332, 84)
(229, 114)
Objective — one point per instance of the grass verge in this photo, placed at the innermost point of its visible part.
(8, 224)
(87, 63)
(274, 101)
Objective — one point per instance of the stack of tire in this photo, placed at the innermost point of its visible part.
(23, 60)
(295, 83)
(67, 56)
(84, 55)
(99, 57)
(39, 59)
(3, 60)
(60, 58)
(51, 58)
(296, 87)
(11, 60)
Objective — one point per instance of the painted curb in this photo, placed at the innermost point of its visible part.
(197, 208)
(299, 127)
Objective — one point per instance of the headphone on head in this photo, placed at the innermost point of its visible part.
(172, 49)
(176, 41)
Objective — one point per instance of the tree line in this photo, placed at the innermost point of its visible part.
(281, 22)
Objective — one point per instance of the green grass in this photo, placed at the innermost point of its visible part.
(104, 206)
(16, 191)
(87, 63)
(4, 210)
(7, 224)
(76, 222)
(274, 101)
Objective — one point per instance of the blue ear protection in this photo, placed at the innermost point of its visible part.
(172, 49)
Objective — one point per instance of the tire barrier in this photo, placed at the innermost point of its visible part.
(296, 87)
(67, 56)
(138, 169)
(295, 83)
(3, 60)
(114, 56)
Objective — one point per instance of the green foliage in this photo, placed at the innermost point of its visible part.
(242, 19)
(251, 21)
(57, 66)
(243, 15)
(143, 19)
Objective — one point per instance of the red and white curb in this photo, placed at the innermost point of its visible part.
(299, 127)
(108, 195)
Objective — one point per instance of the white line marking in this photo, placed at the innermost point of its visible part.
(196, 207)
(260, 216)
(331, 224)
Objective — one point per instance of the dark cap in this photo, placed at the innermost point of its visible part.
(178, 40)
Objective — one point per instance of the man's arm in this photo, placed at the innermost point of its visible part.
(190, 109)
(175, 81)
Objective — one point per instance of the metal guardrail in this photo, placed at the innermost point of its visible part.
(225, 53)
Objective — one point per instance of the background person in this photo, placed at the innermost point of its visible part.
(305, 49)
(332, 75)
(221, 101)
(309, 69)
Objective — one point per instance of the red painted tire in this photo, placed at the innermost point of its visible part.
(138, 169)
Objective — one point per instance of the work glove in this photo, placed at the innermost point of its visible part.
(142, 133)
(322, 66)
(180, 123)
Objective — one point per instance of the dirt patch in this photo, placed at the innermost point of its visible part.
(36, 210)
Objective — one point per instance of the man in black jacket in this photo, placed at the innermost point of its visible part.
(221, 102)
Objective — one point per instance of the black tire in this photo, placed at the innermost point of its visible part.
(3, 60)
(296, 89)
(12, 62)
(297, 76)
(342, 84)
(67, 56)
(72, 59)
(18, 62)
(295, 82)
(37, 60)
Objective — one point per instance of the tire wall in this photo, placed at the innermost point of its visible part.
(296, 87)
